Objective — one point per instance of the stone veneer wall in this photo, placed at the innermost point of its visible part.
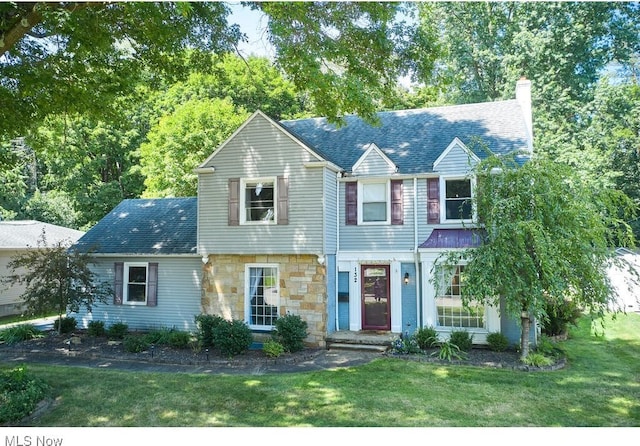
(303, 289)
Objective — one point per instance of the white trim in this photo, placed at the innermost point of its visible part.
(372, 147)
(317, 164)
(247, 293)
(242, 204)
(273, 123)
(125, 283)
(387, 184)
(443, 198)
(456, 142)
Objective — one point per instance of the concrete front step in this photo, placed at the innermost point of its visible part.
(359, 347)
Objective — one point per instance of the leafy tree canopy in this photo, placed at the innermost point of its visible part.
(549, 236)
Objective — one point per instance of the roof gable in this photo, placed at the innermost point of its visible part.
(145, 226)
(456, 157)
(374, 162)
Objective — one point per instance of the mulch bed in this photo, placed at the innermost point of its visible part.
(81, 345)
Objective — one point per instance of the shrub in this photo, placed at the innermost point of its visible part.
(448, 351)
(497, 342)
(19, 333)
(536, 359)
(19, 394)
(135, 343)
(426, 337)
(96, 329)
(67, 324)
(559, 315)
(272, 348)
(547, 347)
(232, 337)
(172, 337)
(407, 345)
(291, 331)
(206, 323)
(463, 339)
(117, 330)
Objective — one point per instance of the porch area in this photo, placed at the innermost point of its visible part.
(379, 341)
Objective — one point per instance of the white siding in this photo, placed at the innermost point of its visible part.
(383, 237)
(179, 293)
(457, 162)
(261, 150)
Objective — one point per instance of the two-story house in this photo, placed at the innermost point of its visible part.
(341, 225)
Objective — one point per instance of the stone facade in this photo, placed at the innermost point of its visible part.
(303, 289)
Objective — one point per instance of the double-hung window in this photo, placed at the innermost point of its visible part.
(258, 201)
(262, 296)
(135, 283)
(457, 199)
(375, 202)
(451, 312)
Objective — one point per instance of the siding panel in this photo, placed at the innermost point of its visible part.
(457, 162)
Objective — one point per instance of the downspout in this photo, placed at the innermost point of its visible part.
(338, 175)
(415, 251)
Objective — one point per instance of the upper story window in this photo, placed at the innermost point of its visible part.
(258, 201)
(457, 199)
(375, 203)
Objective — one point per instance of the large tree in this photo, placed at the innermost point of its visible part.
(549, 237)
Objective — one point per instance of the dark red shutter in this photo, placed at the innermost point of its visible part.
(351, 203)
(234, 201)
(118, 268)
(283, 201)
(152, 285)
(433, 200)
(397, 202)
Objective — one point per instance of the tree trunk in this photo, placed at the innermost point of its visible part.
(524, 335)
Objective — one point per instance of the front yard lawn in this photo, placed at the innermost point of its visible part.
(600, 386)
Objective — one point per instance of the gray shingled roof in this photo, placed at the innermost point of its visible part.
(413, 139)
(145, 226)
(22, 234)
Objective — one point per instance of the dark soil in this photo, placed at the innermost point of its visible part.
(82, 346)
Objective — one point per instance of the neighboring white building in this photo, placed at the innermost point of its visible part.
(626, 281)
(17, 237)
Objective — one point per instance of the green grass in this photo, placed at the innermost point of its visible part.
(599, 387)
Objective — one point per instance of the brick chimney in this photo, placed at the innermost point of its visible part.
(523, 97)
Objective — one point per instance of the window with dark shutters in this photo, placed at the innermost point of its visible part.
(397, 202)
(234, 201)
(351, 203)
(433, 200)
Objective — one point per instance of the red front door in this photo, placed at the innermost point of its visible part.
(376, 305)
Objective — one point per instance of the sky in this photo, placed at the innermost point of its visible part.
(253, 24)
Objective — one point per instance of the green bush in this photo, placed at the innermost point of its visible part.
(19, 394)
(426, 337)
(68, 324)
(206, 323)
(536, 359)
(118, 330)
(171, 337)
(19, 333)
(497, 342)
(96, 329)
(448, 351)
(559, 315)
(463, 339)
(272, 348)
(547, 347)
(407, 345)
(232, 337)
(291, 331)
(135, 343)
